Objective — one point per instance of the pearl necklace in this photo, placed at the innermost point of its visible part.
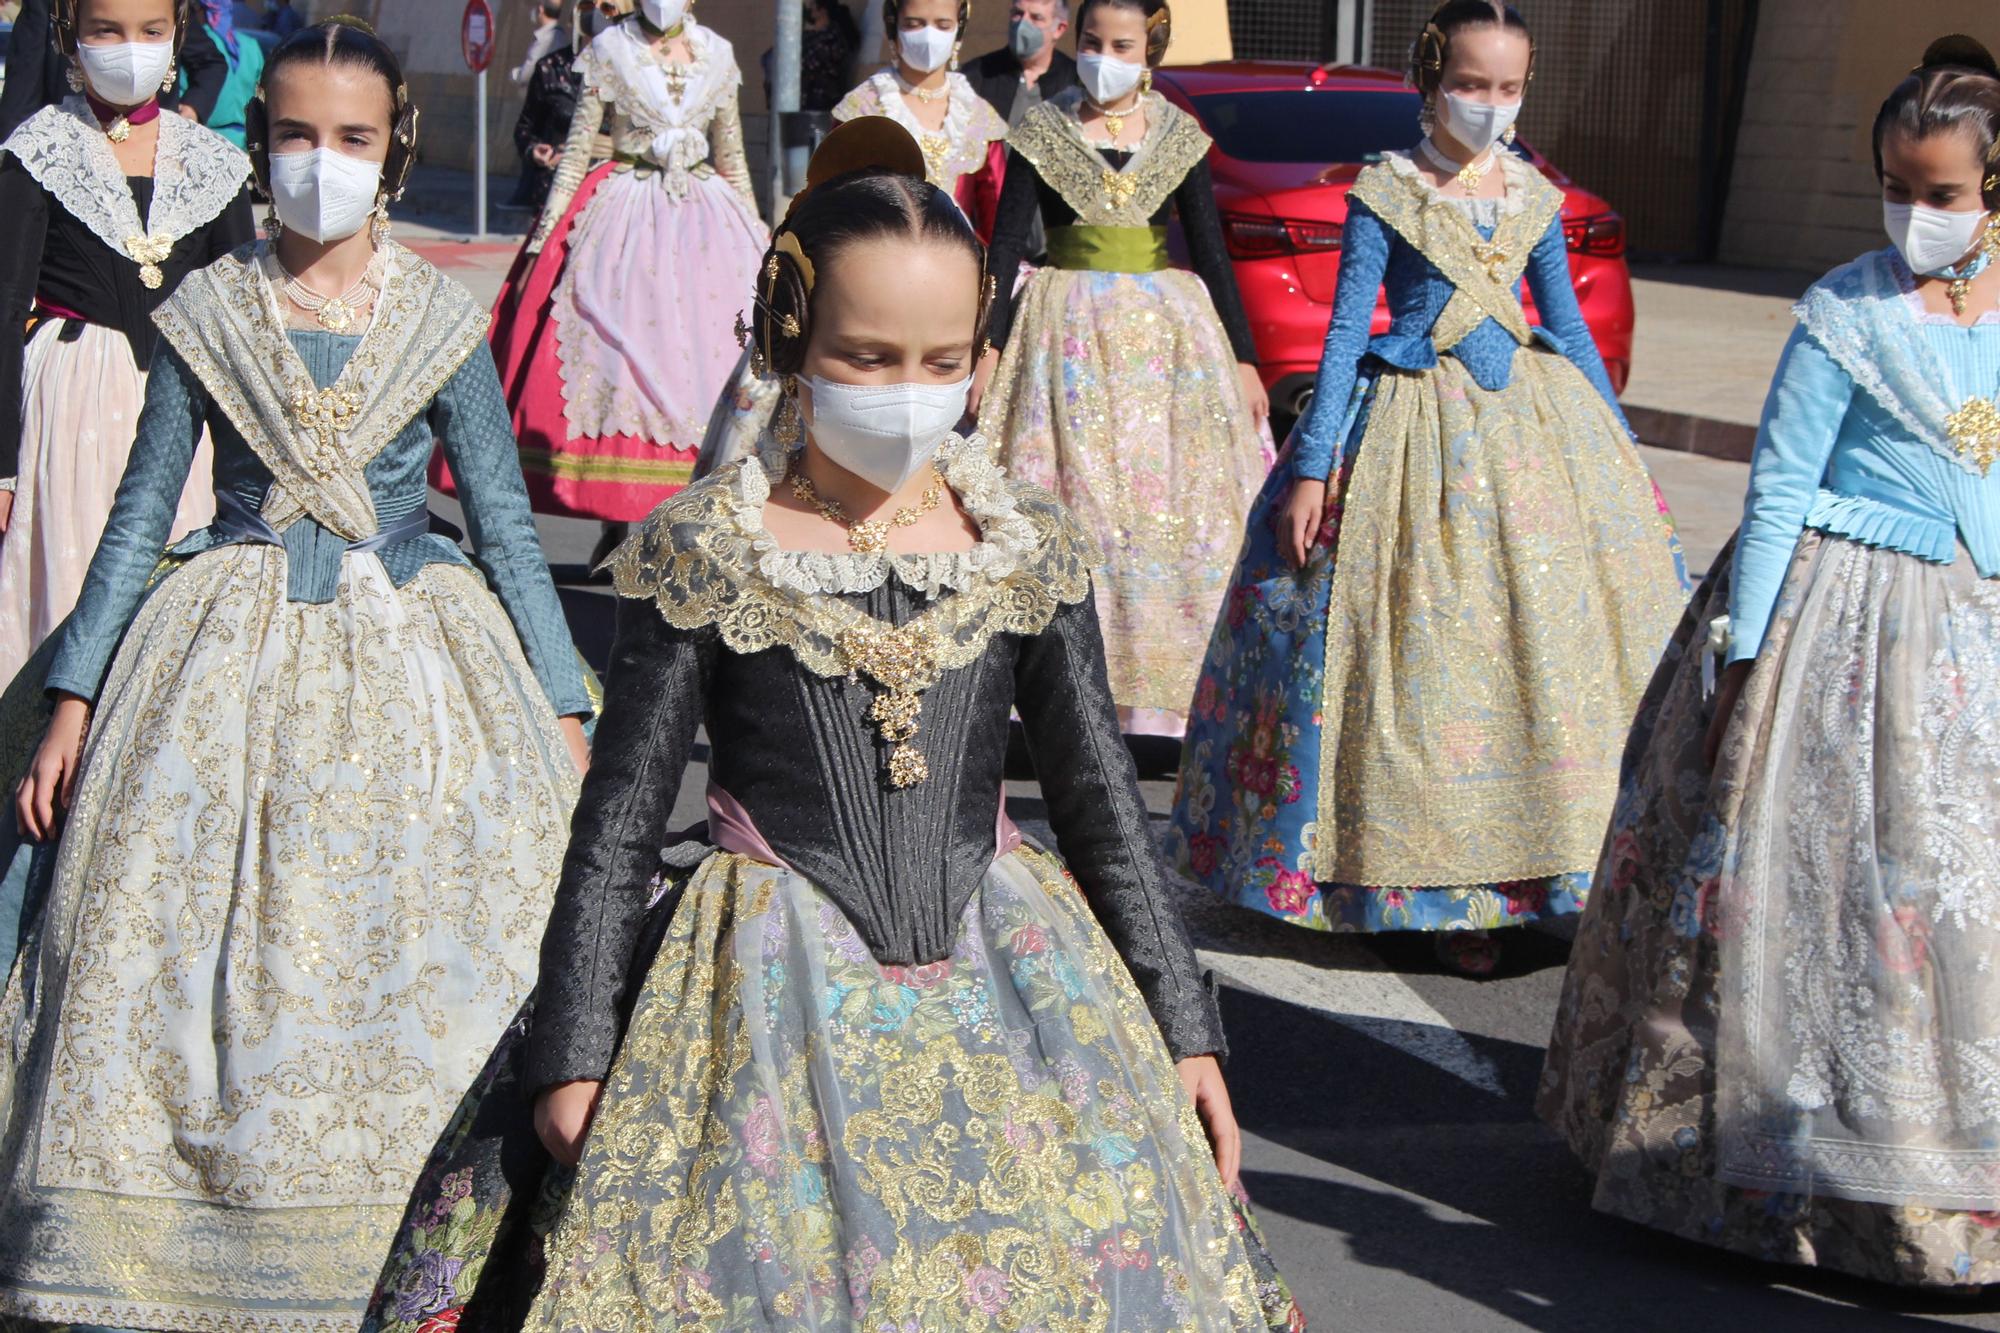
(335, 314)
(1114, 121)
(1470, 174)
(922, 94)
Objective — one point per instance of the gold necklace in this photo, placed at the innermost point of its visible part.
(869, 536)
(1470, 174)
(923, 94)
(1960, 288)
(1115, 120)
(335, 314)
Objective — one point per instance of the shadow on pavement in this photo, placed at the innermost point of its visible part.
(1514, 1232)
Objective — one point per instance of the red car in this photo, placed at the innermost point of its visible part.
(1289, 140)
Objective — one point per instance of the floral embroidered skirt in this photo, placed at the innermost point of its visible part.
(615, 341)
(1119, 392)
(1447, 684)
(1776, 1029)
(795, 1136)
(310, 852)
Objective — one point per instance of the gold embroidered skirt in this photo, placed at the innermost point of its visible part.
(796, 1136)
(1505, 579)
(296, 898)
(1119, 392)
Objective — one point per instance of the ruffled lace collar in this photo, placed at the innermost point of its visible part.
(957, 148)
(1007, 537)
(1515, 170)
(1925, 315)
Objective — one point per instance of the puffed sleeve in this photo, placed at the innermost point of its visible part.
(654, 698)
(1809, 399)
(26, 208)
(1554, 290)
(470, 419)
(1101, 826)
(1364, 258)
(142, 518)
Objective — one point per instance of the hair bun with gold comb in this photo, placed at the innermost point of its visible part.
(861, 144)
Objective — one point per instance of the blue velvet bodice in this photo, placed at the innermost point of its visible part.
(1374, 258)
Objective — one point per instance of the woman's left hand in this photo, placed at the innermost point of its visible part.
(1202, 1077)
(579, 748)
(1253, 389)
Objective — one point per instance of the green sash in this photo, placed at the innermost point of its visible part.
(1108, 249)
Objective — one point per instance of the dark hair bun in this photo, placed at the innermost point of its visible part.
(1959, 51)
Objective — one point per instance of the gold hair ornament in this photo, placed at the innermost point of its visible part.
(788, 244)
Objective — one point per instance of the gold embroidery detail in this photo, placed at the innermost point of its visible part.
(1485, 274)
(1103, 196)
(1975, 432)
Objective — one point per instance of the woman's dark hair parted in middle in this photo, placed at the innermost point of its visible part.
(864, 205)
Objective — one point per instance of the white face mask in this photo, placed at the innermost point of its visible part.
(664, 14)
(324, 194)
(127, 74)
(1478, 125)
(1106, 78)
(925, 48)
(883, 433)
(1930, 238)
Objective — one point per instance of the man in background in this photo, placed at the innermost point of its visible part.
(545, 116)
(1030, 69)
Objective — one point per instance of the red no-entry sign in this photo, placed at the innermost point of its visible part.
(477, 35)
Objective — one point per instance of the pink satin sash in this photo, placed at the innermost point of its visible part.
(731, 828)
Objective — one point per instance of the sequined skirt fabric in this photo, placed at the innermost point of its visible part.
(798, 1137)
(1119, 392)
(311, 849)
(1751, 889)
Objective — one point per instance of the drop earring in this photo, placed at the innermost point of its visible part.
(273, 228)
(1427, 118)
(954, 56)
(1507, 138)
(74, 75)
(378, 225)
(173, 73)
(1145, 81)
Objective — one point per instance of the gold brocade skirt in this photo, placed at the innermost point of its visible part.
(1505, 578)
(311, 851)
(1119, 392)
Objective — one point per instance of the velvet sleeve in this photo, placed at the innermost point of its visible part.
(1554, 289)
(142, 518)
(26, 209)
(207, 71)
(1194, 200)
(1013, 224)
(1364, 259)
(1809, 399)
(1101, 826)
(654, 697)
(470, 420)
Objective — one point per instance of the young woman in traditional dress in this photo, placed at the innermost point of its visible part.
(963, 138)
(320, 812)
(1777, 1031)
(869, 1060)
(615, 343)
(1456, 584)
(108, 205)
(1128, 387)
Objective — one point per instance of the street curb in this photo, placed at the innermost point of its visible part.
(1687, 433)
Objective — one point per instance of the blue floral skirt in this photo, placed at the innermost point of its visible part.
(1247, 817)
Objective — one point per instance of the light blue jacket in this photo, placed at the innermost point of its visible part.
(1853, 439)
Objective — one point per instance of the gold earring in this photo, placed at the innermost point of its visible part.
(1145, 81)
(378, 226)
(1507, 138)
(273, 228)
(75, 77)
(167, 84)
(954, 56)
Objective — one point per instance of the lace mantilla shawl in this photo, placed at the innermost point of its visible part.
(226, 324)
(705, 558)
(1485, 273)
(1051, 138)
(631, 77)
(1859, 315)
(196, 175)
(958, 149)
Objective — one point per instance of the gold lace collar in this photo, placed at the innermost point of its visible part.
(700, 559)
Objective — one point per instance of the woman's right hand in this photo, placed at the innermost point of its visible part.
(563, 1114)
(1728, 689)
(1300, 520)
(43, 795)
